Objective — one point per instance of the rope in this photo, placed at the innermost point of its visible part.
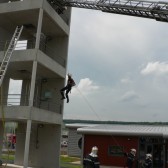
(92, 109)
(87, 102)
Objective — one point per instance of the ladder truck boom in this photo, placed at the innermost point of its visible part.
(146, 9)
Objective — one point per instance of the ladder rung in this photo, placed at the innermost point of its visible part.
(9, 52)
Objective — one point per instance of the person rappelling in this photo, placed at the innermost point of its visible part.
(67, 88)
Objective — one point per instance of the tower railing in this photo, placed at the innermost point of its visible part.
(23, 100)
(30, 44)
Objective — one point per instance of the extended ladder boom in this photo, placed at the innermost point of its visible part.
(146, 9)
(9, 51)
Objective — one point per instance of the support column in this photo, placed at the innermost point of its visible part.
(5, 88)
(32, 86)
(27, 142)
(38, 34)
(1, 138)
(32, 89)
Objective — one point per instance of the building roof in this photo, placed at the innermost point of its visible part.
(124, 130)
(78, 125)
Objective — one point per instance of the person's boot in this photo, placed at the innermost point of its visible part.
(67, 98)
(63, 97)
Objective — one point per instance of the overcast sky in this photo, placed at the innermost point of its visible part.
(120, 65)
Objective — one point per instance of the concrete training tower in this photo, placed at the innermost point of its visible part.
(40, 62)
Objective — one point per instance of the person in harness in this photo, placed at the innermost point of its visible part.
(92, 160)
(148, 161)
(67, 88)
(131, 158)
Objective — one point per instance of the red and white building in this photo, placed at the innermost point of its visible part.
(114, 140)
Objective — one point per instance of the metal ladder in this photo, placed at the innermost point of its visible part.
(9, 51)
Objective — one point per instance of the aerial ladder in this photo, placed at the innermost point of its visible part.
(9, 51)
(146, 9)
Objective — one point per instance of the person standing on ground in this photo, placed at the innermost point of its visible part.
(148, 161)
(92, 160)
(131, 158)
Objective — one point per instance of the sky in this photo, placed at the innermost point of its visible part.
(120, 66)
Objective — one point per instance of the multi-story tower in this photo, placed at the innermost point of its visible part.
(40, 62)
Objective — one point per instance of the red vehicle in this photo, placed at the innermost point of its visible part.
(11, 140)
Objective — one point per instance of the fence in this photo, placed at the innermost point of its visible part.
(23, 100)
(30, 44)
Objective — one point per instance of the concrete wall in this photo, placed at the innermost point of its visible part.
(58, 19)
(66, 15)
(4, 1)
(5, 35)
(73, 138)
(59, 46)
(49, 94)
(51, 64)
(20, 143)
(44, 145)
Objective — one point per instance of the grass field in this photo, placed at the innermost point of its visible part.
(65, 161)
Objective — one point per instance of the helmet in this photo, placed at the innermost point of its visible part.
(148, 156)
(133, 151)
(94, 150)
(69, 74)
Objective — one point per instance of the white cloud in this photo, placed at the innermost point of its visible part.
(85, 86)
(130, 95)
(126, 80)
(156, 68)
(110, 50)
